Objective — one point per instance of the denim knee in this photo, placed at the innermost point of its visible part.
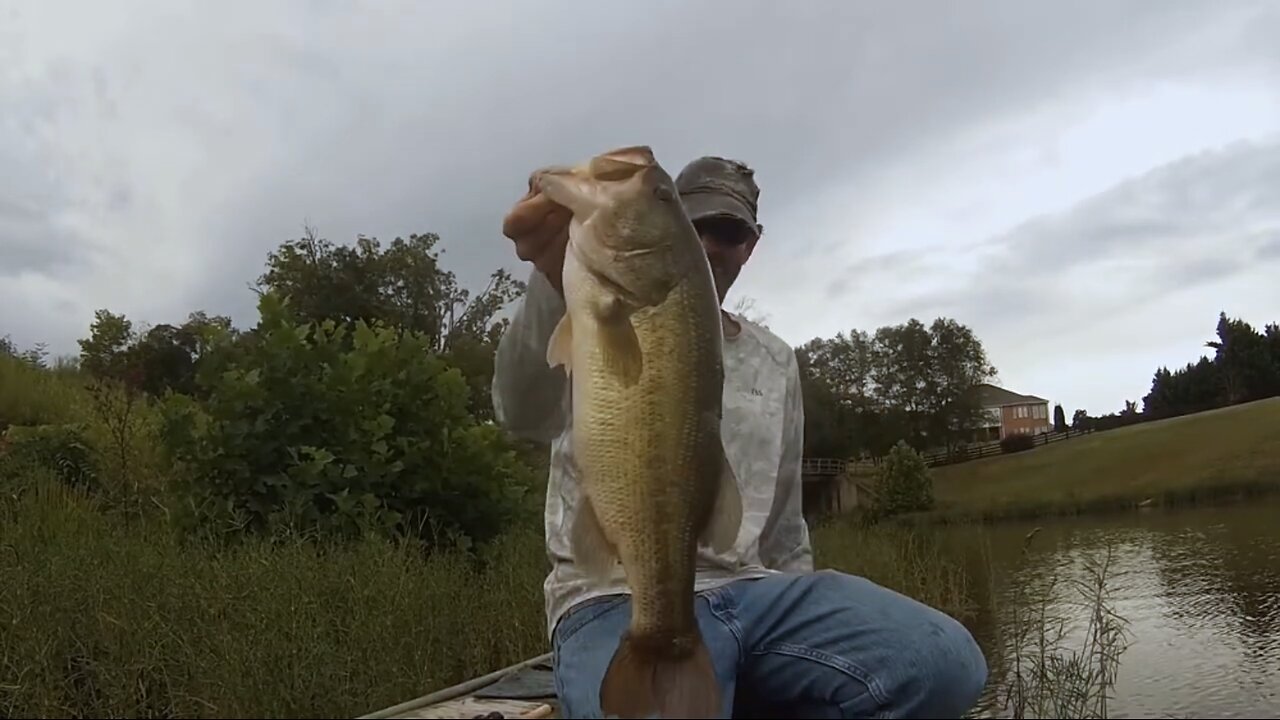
(953, 670)
(924, 662)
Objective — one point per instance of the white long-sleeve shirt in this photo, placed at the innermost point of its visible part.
(762, 431)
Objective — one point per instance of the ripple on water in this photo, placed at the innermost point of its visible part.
(1200, 591)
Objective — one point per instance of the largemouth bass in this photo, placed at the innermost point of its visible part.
(641, 340)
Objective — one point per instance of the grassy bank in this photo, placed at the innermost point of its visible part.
(1222, 454)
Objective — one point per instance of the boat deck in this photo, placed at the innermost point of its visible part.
(523, 690)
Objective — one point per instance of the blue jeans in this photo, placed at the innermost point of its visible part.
(816, 645)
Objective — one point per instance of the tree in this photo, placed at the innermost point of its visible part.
(35, 356)
(339, 428)
(1245, 366)
(746, 308)
(162, 358)
(957, 364)
(1080, 420)
(102, 353)
(402, 286)
(865, 392)
(1249, 371)
(1059, 418)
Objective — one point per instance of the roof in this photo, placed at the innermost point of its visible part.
(991, 396)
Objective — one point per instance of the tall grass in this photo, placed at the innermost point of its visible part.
(911, 562)
(1059, 642)
(33, 396)
(99, 618)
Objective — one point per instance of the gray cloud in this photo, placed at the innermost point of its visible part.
(1115, 274)
(175, 151)
(1195, 220)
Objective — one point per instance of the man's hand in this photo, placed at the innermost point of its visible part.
(540, 230)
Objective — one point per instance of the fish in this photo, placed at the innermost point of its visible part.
(641, 342)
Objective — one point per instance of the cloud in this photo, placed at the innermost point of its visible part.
(154, 153)
(1111, 273)
(1200, 218)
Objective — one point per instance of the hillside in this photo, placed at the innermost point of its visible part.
(1228, 451)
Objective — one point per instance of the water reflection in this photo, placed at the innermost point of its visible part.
(1199, 589)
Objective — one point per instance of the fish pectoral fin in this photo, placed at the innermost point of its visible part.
(560, 346)
(726, 513)
(619, 346)
(620, 350)
(592, 550)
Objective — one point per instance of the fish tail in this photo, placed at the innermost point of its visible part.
(643, 683)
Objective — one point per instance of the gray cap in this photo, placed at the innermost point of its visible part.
(718, 187)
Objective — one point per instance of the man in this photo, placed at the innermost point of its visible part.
(786, 641)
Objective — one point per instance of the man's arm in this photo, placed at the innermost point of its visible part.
(784, 542)
(528, 395)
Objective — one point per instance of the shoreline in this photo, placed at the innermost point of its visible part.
(1216, 495)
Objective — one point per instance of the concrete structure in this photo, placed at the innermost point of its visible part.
(1009, 413)
(831, 485)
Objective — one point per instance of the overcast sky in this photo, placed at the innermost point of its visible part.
(1086, 184)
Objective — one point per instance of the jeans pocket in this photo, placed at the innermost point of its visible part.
(577, 618)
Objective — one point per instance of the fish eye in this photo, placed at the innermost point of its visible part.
(663, 193)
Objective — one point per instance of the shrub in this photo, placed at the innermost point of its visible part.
(314, 427)
(903, 483)
(1017, 443)
(60, 449)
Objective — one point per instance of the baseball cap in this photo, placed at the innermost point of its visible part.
(712, 186)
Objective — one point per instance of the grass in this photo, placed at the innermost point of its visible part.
(103, 617)
(31, 396)
(107, 615)
(1226, 453)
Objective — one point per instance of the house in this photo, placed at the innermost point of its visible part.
(1008, 413)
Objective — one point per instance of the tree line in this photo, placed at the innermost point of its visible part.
(1245, 366)
(364, 389)
(359, 400)
(865, 391)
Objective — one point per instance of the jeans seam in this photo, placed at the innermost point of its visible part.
(834, 662)
(727, 619)
(581, 616)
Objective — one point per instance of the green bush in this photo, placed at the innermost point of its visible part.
(1017, 443)
(62, 450)
(311, 427)
(903, 483)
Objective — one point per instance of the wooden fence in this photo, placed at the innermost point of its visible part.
(938, 458)
(814, 468)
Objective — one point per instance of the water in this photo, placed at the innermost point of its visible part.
(1199, 589)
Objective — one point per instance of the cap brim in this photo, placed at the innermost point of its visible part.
(701, 206)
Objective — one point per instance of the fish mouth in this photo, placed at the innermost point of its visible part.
(612, 166)
(621, 163)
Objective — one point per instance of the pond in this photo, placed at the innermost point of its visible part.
(1198, 590)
